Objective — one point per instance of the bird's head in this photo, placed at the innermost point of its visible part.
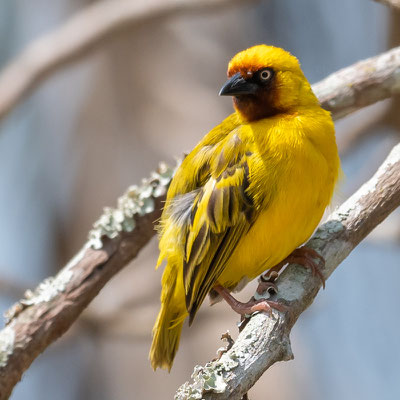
(265, 81)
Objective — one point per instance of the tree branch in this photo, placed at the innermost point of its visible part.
(361, 84)
(265, 339)
(81, 35)
(45, 314)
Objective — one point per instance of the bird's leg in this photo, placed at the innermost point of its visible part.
(304, 256)
(251, 306)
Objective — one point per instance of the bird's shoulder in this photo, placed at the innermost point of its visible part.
(231, 153)
(198, 166)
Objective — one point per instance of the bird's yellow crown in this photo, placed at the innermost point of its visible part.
(261, 56)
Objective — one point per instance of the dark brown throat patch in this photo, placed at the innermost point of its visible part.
(257, 106)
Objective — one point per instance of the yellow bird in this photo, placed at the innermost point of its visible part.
(251, 192)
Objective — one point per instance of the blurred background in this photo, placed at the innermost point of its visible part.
(148, 94)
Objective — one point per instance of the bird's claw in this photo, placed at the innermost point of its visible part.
(266, 286)
(251, 306)
(305, 256)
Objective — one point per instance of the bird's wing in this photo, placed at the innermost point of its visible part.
(189, 180)
(221, 214)
(195, 168)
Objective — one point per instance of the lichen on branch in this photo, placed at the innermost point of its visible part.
(136, 201)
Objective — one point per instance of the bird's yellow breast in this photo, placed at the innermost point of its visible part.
(293, 171)
(252, 190)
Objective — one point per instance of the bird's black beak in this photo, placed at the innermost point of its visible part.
(237, 86)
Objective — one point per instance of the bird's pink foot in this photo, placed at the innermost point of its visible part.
(251, 306)
(304, 256)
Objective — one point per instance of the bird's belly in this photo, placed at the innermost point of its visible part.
(286, 224)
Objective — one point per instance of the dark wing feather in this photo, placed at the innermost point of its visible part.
(221, 214)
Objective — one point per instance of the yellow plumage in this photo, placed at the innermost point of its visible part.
(253, 189)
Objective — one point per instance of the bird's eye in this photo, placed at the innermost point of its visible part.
(265, 75)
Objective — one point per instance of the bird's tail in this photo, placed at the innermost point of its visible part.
(168, 326)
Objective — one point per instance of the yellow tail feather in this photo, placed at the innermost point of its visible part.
(168, 327)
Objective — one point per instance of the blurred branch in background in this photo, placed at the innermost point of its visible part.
(35, 322)
(84, 33)
(361, 84)
(367, 126)
(99, 22)
(376, 119)
(390, 3)
(265, 339)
